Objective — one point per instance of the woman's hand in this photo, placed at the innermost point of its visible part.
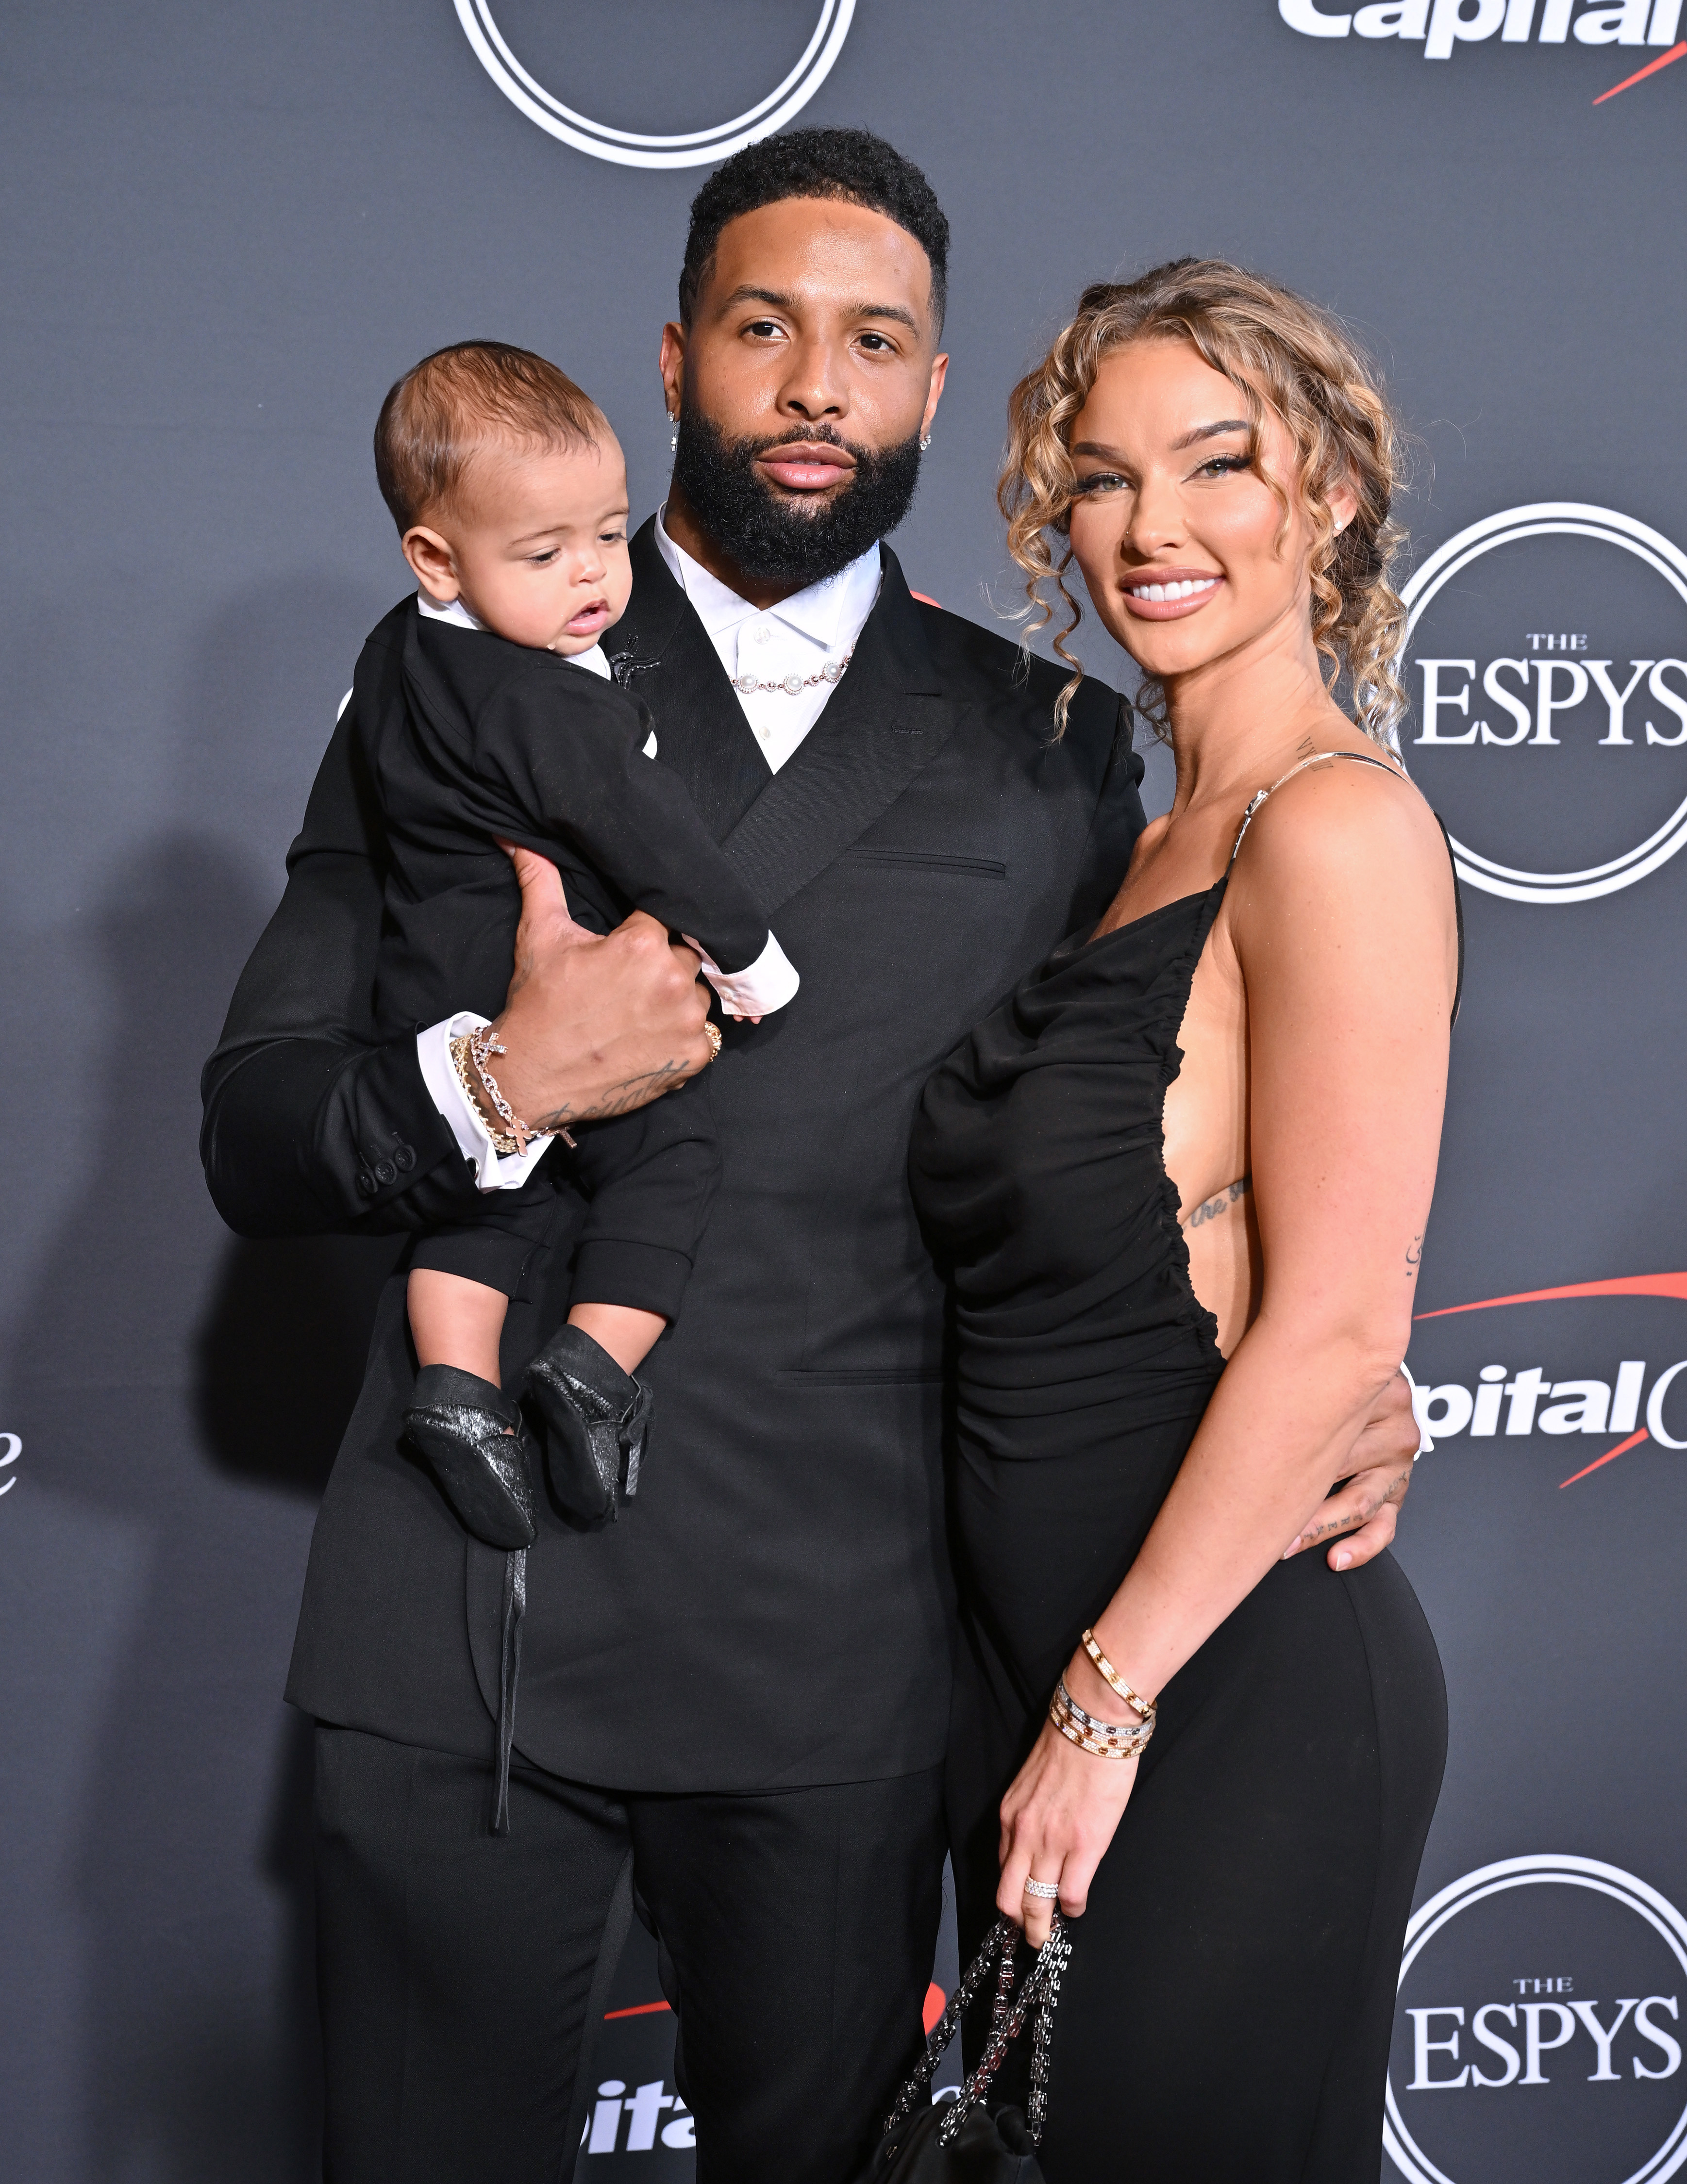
(1056, 1822)
(594, 1024)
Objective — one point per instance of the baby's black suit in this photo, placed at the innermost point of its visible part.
(468, 737)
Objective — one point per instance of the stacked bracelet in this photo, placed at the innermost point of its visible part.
(1106, 1740)
(469, 1055)
(474, 1092)
(482, 1043)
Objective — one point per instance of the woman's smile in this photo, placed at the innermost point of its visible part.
(1168, 594)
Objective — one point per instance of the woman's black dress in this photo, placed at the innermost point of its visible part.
(1228, 2009)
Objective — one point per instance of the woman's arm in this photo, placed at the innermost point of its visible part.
(1340, 912)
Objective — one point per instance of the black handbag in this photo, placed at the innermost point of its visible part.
(960, 2142)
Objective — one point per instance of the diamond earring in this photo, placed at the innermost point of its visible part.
(924, 442)
(673, 438)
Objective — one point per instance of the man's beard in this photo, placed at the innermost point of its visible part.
(776, 539)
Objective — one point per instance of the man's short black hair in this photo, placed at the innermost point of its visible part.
(850, 164)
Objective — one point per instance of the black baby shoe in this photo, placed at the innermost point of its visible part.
(461, 1424)
(595, 1418)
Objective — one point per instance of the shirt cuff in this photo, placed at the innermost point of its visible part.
(1420, 1404)
(492, 1170)
(767, 984)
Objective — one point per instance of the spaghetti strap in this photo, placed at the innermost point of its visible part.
(1359, 758)
(1364, 757)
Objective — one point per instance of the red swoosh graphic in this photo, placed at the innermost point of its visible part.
(1622, 1448)
(1669, 1285)
(1639, 76)
(932, 2010)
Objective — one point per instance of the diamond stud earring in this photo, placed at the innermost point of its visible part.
(673, 438)
(924, 442)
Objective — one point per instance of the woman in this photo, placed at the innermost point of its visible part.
(1182, 1178)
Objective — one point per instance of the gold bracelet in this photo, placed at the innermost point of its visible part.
(1109, 1674)
(502, 1143)
(465, 1057)
(1105, 1739)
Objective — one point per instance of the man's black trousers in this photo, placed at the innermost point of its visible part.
(463, 1975)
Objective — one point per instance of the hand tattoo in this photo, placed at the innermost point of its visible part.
(620, 1099)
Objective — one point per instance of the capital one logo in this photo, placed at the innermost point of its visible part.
(1442, 24)
(625, 147)
(1626, 1403)
(1543, 652)
(1537, 2030)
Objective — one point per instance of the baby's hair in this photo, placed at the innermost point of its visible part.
(460, 399)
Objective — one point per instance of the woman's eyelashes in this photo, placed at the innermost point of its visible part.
(1096, 484)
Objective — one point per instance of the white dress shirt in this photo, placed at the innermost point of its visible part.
(795, 640)
(798, 639)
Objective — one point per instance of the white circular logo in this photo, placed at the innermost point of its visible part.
(1546, 655)
(697, 149)
(1520, 1987)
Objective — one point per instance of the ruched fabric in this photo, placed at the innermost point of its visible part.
(1234, 1974)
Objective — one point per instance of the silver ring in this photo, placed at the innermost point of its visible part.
(1046, 1891)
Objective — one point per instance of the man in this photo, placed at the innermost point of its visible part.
(733, 1701)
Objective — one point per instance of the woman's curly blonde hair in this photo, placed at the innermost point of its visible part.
(1283, 355)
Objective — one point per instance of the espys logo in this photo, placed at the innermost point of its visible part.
(1537, 2030)
(1634, 1402)
(625, 147)
(1443, 24)
(1543, 650)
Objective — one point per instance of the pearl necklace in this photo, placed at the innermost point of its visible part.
(793, 684)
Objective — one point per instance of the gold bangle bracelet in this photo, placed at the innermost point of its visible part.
(1109, 1674)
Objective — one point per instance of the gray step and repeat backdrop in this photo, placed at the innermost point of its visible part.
(227, 231)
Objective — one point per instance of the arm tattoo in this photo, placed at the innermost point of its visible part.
(1210, 1208)
(1414, 1257)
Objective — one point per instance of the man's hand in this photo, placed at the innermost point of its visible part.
(1360, 1514)
(594, 1024)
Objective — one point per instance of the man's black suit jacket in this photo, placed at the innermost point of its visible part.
(773, 1611)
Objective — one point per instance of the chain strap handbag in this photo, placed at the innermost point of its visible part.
(960, 2141)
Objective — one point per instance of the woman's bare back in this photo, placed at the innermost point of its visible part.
(1208, 1150)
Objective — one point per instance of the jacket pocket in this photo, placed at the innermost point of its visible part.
(929, 861)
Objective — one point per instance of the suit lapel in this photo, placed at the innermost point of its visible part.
(659, 652)
(887, 718)
(885, 722)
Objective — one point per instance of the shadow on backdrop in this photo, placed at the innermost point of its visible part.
(199, 1384)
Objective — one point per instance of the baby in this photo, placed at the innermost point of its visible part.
(485, 711)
